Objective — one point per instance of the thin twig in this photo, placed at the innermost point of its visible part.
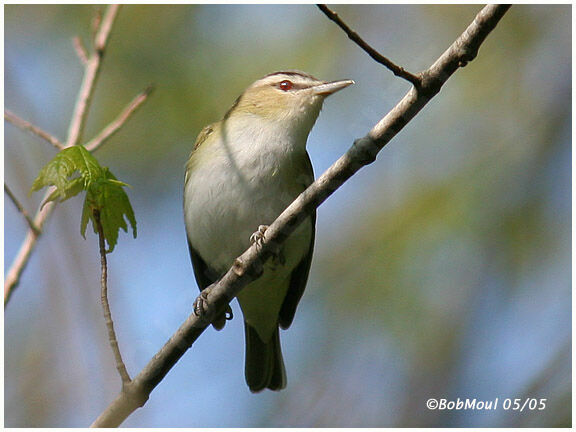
(80, 49)
(23, 257)
(96, 21)
(90, 76)
(245, 268)
(396, 70)
(120, 366)
(119, 121)
(22, 210)
(29, 127)
(106, 23)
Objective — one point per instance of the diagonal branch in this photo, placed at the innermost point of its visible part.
(19, 264)
(248, 266)
(29, 127)
(22, 210)
(352, 35)
(80, 50)
(122, 118)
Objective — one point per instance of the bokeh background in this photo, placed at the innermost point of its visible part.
(443, 270)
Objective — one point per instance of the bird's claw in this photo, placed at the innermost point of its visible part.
(258, 237)
(200, 310)
(200, 304)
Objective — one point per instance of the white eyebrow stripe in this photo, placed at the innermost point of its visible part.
(299, 80)
(293, 73)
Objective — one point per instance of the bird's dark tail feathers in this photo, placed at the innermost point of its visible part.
(264, 363)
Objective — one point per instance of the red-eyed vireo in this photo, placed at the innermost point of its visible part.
(242, 173)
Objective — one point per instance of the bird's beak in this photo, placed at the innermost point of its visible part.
(331, 87)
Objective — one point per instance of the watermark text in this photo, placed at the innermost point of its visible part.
(475, 404)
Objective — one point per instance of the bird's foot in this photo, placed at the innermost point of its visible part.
(200, 304)
(201, 310)
(258, 237)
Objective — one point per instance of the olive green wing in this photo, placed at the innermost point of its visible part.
(204, 133)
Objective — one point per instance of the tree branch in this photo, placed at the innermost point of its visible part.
(248, 266)
(22, 210)
(90, 76)
(352, 35)
(80, 50)
(19, 264)
(29, 127)
(122, 118)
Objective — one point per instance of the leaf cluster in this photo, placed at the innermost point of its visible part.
(74, 170)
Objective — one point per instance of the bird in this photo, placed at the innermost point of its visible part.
(243, 171)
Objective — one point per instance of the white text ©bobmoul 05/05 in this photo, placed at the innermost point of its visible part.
(506, 404)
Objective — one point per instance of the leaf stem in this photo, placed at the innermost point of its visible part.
(106, 305)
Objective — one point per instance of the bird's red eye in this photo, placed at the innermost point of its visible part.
(285, 85)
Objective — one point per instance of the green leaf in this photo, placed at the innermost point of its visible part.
(59, 170)
(74, 170)
(74, 187)
(108, 197)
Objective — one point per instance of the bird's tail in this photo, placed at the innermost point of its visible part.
(264, 363)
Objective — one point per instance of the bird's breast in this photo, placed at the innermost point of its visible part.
(235, 189)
